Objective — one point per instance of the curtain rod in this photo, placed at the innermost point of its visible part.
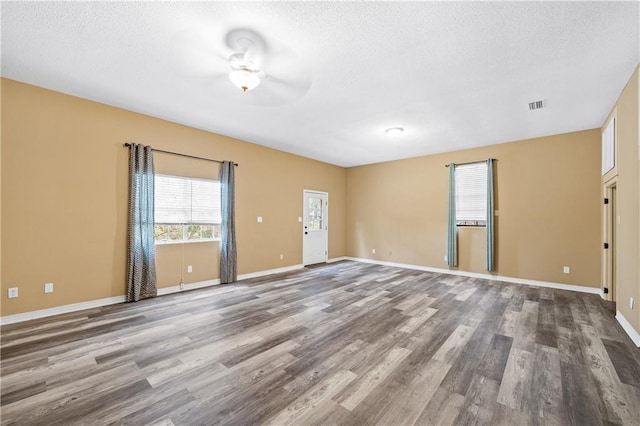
(471, 162)
(181, 155)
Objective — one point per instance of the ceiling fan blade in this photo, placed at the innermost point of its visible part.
(197, 54)
(273, 92)
(283, 64)
(299, 84)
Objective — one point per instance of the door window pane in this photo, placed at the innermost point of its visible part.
(315, 214)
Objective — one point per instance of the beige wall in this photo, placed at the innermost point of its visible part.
(627, 282)
(64, 196)
(547, 195)
(64, 219)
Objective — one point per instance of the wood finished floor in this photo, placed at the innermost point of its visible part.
(347, 343)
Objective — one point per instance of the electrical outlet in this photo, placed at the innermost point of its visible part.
(259, 219)
(299, 219)
(566, 270)
(12, 292)
(189, 269)
(373, 251)
(48, 287)
(631, 302)
(445, 258)
(281, 256)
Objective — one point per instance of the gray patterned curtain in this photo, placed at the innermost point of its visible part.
(489, 230)
(141, 249)
(228, 252)
(452, 228)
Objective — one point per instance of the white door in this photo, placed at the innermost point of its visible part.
(315, 227)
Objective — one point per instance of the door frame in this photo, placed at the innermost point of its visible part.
(609, 236)
(325, 222)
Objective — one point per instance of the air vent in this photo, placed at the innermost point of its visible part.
(535, 105)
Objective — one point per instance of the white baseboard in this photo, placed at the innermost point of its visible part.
(64, 309)
(187, 287)
(269, 272)
(74, 307)
(560, 286)
(11, 319)
(633, 334)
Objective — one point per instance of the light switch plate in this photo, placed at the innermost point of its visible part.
(259, 219)
(48, 287)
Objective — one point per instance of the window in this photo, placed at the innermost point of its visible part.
(186, 209)
(315, 214)
(471, 194)
(609, 147)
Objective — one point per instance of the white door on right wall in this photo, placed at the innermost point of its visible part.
(315, 227)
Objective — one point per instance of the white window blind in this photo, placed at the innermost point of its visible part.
(471, 194)
(180, 200)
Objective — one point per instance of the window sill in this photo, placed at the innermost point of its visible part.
(169, 243)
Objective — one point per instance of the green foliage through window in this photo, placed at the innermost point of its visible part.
(315, 214)
(186, 209)
(176, 233)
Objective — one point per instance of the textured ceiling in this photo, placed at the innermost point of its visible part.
(454, 75)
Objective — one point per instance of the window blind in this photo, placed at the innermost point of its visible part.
(180, 200)
(471, 192)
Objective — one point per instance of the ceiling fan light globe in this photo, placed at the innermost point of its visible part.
(244, 79)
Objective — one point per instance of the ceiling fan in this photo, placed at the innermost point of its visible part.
(244, 74)
(267, 73)
(248, 49)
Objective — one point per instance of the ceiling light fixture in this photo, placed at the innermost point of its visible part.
(394, 131)
(244, 79)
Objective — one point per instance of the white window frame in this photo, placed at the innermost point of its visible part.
(470, 221)
(185, 226)
(609, 147)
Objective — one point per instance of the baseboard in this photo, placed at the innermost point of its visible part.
(26, 316)
(64, 309)
(633, 334)
(269, 272)
(74, 307)
(559, 286)
(187, 287)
